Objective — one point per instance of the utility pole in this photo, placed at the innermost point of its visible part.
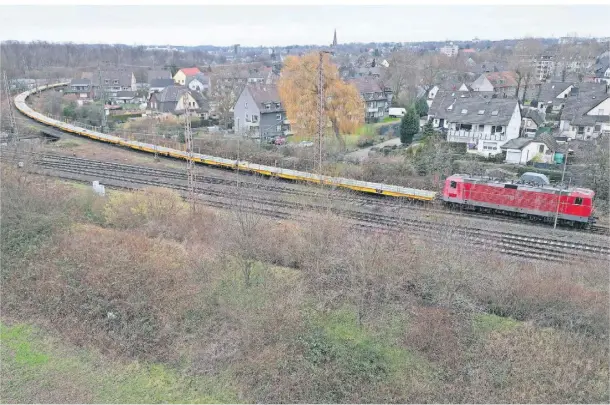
(188, 139)
(103, 98)
(11, 115)
(563, 173)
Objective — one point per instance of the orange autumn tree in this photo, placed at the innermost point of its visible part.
(298, 88)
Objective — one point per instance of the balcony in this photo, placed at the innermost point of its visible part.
(469, 136)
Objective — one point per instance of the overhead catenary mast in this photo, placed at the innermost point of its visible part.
(188, 139)
(11, 116)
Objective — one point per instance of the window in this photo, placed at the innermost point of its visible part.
(494, 112)
(598, 127)
(247, 118)
(541, 149)
(116, 82)
(578, 201)
(246, 105)
(278, 117)
(106, 81)
(453, 184)
(481, 112)
(277, 105)
(464, 111)
(481, 127)
(267, 106)
(278, 128)
(496, 128)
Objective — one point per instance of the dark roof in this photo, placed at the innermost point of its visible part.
(366, 85)
(473, 103)
(161, 82)
(520, 143)
(80, 82)
(517, 143)
(548, 140)
(264, 95)
(171, 94)
(550, 91)
(200, 76)
(534, 115)
(123, 76)
(204, 104)
(157, 74)
(577, 107)
(126, 94)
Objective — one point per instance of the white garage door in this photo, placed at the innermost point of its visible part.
(513, 156)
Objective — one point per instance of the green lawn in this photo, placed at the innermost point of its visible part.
(39, 368)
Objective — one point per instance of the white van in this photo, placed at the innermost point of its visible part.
(397, 112)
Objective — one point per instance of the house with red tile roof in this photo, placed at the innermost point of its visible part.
(181, 76)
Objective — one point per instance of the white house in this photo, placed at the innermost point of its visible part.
(483, 124)
(586, 117)
(522, 150)
(531, 122)
(199, 82)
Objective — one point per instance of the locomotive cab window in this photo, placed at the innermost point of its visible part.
(452, 184)
(578, 201)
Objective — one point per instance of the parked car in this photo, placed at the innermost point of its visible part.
(305, 144)
(280, 140)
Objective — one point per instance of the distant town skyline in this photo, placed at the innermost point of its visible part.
(296, 25)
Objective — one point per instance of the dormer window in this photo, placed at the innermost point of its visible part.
(481, 112)
(464, 111)
(267, 106)
(494, 112)
(116, 82)
(277, 105)
(106, 81)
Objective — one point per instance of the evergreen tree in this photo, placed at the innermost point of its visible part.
(428, 130)
(409, 126)
(421, 106)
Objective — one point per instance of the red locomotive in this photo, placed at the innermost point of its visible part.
(532, 197)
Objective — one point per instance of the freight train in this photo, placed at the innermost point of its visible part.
(539, 201)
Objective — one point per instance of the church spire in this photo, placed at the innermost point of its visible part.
(335, 38)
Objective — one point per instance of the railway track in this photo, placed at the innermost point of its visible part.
(58, 161)
(128, 176)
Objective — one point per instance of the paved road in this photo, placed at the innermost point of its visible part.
(362, 154)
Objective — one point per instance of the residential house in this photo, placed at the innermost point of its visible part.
(182, 74)
(602, 68)
(552, 96)
(157, 85)
(586, 116)
(259, 113)
(112, 81)
(156, 74)
(450, 84)
(81, 87)
(172, 100)
(450, 50)
(126, 97)
(523, 150)
(530, 122)
(377, 99)
(503, 84)
(483, 124)
(199, 82)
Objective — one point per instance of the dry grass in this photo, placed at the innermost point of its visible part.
(324, 315)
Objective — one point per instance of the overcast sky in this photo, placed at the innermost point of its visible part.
(287, 25)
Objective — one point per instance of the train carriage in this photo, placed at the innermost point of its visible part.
(534, 199)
